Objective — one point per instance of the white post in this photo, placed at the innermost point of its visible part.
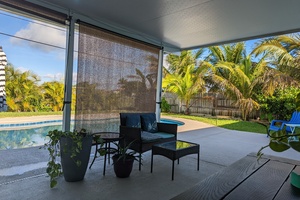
(68, 76)
(159, 85)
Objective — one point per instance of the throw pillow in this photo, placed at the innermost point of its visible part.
(133, 121)
(149, 122)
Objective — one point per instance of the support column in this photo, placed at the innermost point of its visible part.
(68, 76)
(159, 85)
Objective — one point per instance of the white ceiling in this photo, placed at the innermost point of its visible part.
(186, 24)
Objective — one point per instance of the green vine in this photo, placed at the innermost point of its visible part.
(281, 141)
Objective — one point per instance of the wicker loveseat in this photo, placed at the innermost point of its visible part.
(143, 129)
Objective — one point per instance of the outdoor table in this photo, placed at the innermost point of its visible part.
(293, 127)
(175, 150)
(268, 178)
(107, 137)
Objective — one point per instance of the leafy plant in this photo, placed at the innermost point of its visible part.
(282, 104)
(54, 169)
(165, 106)
(123, 153)
(281, 141)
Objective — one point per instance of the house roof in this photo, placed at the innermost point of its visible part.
(186, 24)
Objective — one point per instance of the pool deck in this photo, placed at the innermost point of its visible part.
(192, 125)
(22, 171)
(17, 120)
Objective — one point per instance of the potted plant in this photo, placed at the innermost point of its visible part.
(73, 147)
(281, 141)
(123, 160)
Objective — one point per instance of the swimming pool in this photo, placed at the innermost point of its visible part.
(172, 121)
(25, 137)
(14, 136)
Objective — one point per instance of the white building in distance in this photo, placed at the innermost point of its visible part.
(3, 63)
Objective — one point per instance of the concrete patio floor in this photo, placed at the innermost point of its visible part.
(22, 171)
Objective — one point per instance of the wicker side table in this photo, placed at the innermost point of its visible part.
(175, 150)
(107, 137)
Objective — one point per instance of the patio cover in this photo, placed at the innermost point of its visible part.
(185, 24)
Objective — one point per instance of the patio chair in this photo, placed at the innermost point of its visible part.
(143, 129)
(278, 125)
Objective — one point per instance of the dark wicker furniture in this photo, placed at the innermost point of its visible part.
(175, 150)
(140, 144)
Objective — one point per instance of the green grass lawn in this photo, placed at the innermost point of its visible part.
(27, 114)
(225, 123)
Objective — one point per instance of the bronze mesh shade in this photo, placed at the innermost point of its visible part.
(35, 10)
(115, 74)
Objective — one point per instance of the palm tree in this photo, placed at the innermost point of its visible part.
(53, 93)
(234, 74)
(178, 63)
(240, 82)
(21, 89)
(183, 78)
(185, 85)
(283, 51)
(227, 53)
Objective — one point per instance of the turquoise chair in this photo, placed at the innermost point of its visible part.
(278, 125)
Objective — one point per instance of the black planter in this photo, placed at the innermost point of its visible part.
(71, 171)
(122, 168)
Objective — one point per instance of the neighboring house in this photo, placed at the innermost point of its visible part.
(3, 63)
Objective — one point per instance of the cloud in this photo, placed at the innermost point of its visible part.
(46, 36)
(23, 69)
(56, 77)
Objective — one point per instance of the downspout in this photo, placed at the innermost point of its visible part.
(159, 84)
(68, 76)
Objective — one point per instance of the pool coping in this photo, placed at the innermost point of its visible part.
(29, 123)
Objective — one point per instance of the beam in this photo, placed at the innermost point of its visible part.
(68, 76)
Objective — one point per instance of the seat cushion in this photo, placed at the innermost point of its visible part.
(164, 135)
(149, 123)
(149, 137)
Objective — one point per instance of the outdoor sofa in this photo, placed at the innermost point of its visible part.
(142, 131)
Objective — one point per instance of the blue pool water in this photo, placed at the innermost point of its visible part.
(25, 137)
(171, 121)
(34, 133)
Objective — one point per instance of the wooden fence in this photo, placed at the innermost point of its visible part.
(208, 104)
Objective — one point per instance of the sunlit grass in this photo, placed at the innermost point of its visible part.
(231, 124)
(27, 114)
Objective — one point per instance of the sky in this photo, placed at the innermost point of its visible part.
(46, 55)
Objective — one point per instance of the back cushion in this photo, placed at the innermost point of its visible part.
(149, 122)
(130, 119)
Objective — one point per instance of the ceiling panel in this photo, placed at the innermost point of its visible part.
(186, 24)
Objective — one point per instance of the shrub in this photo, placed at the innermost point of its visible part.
(165, 106)
(281, 105)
